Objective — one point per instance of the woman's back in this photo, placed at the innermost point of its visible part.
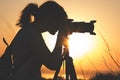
(26, 60)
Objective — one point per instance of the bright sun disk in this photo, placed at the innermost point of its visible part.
(80, 44)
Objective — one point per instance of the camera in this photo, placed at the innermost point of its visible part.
(80, 27)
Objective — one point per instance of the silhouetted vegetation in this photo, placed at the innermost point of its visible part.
(59, 78)
(107, 76)
(109, 52)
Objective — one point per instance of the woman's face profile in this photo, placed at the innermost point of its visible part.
(56, 25)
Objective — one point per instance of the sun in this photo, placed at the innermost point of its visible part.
(80, 44)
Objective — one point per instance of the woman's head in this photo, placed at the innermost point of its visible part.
(52, 15)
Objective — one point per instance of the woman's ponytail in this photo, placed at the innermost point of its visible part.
(28, 11)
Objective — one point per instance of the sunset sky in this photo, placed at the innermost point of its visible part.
(87, 50)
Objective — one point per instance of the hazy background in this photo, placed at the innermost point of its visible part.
(106, 12)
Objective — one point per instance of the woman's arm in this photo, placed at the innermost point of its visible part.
(56, 55)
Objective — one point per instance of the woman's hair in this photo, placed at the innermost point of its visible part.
(49, 12)
(27, 12)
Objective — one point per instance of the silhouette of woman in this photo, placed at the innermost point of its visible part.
(28, 46)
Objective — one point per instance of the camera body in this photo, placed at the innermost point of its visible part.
(80, 27)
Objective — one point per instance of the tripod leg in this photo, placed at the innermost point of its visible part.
(67, 70)
(70, 70)
(57, 71)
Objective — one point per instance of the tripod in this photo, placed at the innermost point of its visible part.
(70, 70)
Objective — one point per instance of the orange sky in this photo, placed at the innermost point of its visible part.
(106, 12)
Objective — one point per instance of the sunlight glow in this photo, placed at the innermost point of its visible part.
(80, 44)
